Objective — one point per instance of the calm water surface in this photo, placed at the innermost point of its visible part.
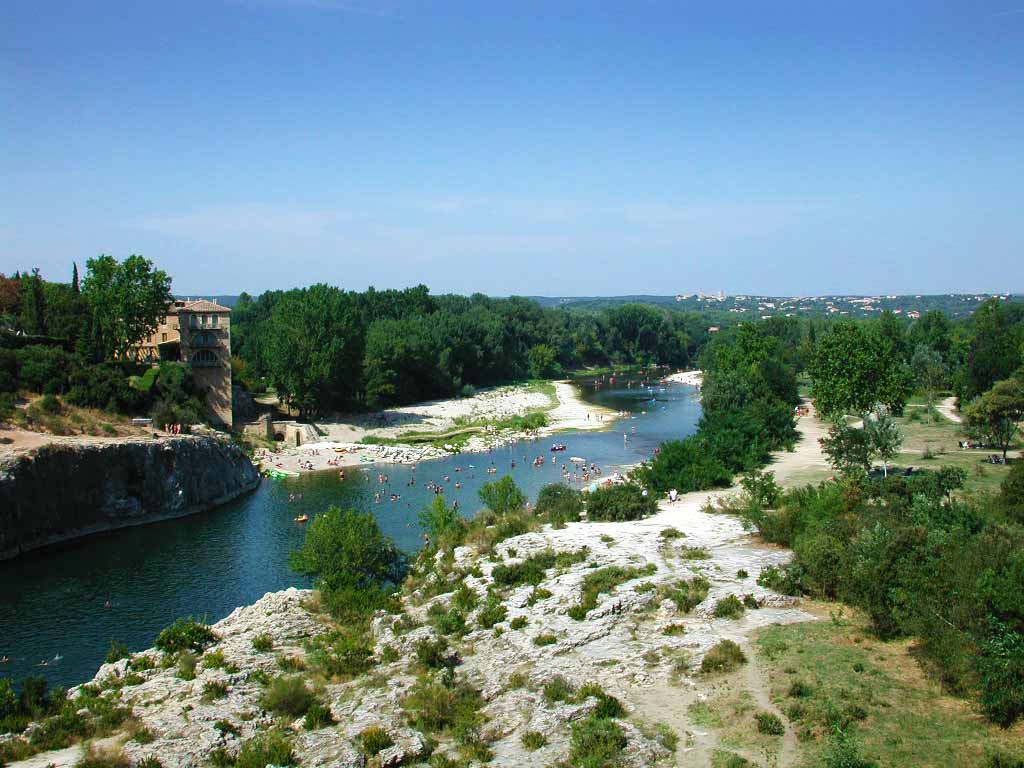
(52, 602)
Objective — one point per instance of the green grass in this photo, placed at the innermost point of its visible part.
(824, 674)
(940, 439)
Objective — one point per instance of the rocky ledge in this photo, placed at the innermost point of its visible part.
(538, 656)
(73, 488)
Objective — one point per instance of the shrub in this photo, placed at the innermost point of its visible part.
(271, 749)
(447, 622)
(545, 639)
(671, 534)
(769, 724)
(341, 655)
(185, 635)
(373, 740)
(502, 496)
(558, 689)
(492, 612)
(605, 580)
(432, 707)
(687, 595)
(288, 695)
(674, 630)
(318, 716)
(787, 580)
(686, 466)
(559, 504)
(434, 654)
(518, 622)
(149, 762)
(263, 642)
(213, 690)
(187, 662)
(351, 560)
(626, 501)
(117, 652)
(742, 573)
(226, 727)
(725, 656)
(596, 742)
(464, 598)
(442, 523)
(728, 607)
(533, 740)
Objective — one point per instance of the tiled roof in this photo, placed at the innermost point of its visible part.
(202, 305)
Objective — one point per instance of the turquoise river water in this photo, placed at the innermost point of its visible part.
(54, 602)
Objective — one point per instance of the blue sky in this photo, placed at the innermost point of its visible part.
(556, 148)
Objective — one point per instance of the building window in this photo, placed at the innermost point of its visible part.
(204, 357)
(213, 320)
(163, 337)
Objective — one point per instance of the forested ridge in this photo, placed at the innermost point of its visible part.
(325, 349)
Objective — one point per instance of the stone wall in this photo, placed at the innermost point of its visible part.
(69, 489)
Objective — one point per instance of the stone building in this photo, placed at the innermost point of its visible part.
(197, 333)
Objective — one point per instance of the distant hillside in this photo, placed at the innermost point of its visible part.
(954, 305)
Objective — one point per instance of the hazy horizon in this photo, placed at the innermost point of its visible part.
(563, 150)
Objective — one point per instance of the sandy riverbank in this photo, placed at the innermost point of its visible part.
(694, 378)
(341, 446)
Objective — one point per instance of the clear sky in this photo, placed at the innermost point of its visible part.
(555, 148)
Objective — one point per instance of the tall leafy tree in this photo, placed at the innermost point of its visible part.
(994, 351)
(996, 414)
(125, 303)
(929, 370)
(854, 370)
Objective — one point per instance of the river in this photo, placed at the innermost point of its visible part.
(66, 603)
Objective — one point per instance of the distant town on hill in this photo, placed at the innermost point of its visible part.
(910, 306)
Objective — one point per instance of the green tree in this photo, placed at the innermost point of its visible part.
(502, 496)
(125, 302)
(442, 523)
(847, 448)
(995, 415)
(543, 362)
(351, 559)
(854, 369)
(314, 348)
(929, 371)
(33, 304)
(994, 351)
(884, 437)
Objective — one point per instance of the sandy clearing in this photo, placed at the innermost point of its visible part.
(341, 447)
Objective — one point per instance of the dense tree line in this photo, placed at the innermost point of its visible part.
(72, 340)
(327, 349)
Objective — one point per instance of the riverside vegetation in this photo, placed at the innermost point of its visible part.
(429, 641)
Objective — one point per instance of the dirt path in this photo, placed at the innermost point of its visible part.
(948, 409)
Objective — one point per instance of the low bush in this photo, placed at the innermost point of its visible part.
(626, 501)
(433, 707)
(728, 607)
(492, 612)
(533, 740)
(545, 639)
(341, 655)
(318, 716)
(185, 635)
(213, 690)
(117, 652)
(687, 595)
(518, 622)
(605, 580)
(559, 504)
(270, 749)
(263, 642)
(435, 654)
(725, 656)
(595, 742)
(769, 724)
(373, 740)
(288, 695)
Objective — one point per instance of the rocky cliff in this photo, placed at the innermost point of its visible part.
(69, 489)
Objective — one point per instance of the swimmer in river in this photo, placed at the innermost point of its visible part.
(4, 659)
(107, 604)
